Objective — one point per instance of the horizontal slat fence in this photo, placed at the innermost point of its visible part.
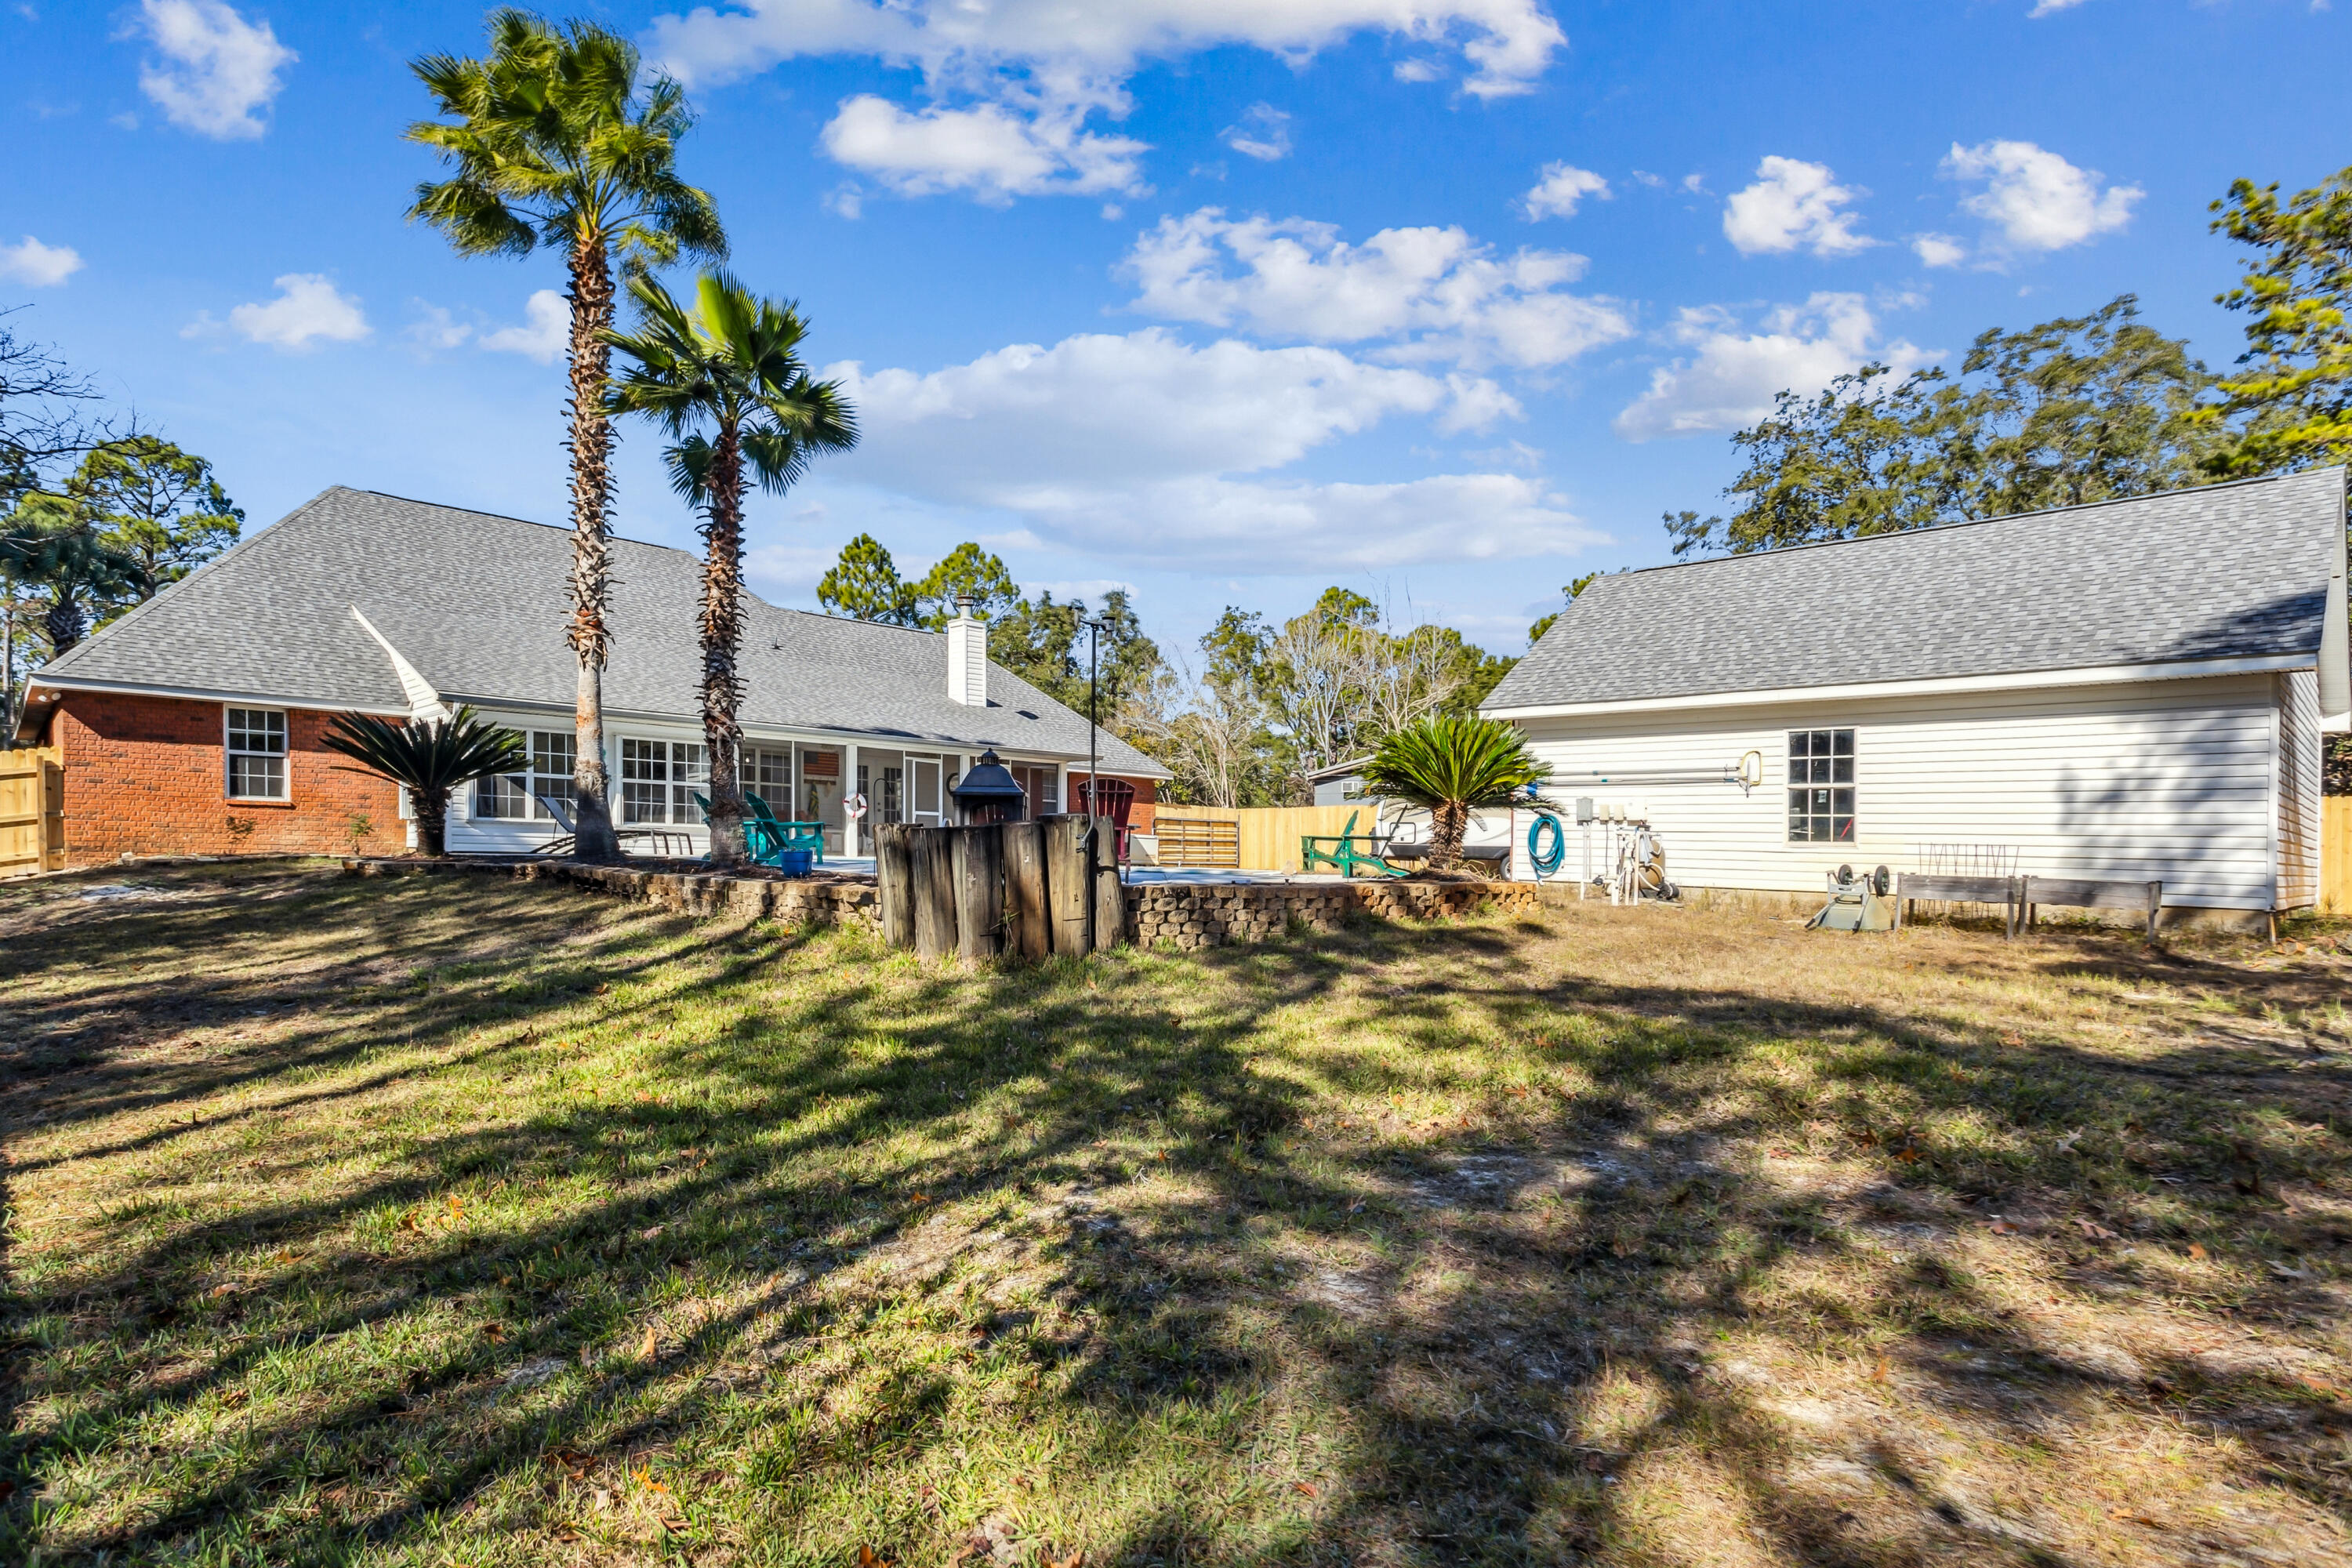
(32, 812)
(1267, 836)
(2336, 855)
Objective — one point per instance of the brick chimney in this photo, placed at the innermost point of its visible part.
(967, 655)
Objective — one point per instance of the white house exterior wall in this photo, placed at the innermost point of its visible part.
(2168, 780)
(2299, 789)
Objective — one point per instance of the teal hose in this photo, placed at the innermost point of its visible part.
(1546, 860)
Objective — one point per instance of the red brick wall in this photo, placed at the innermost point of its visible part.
(1140, 816)
(149, 776)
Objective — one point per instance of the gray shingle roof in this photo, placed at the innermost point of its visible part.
(476, 602)
(2221, 571)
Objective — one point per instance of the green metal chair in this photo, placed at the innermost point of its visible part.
(1347, 857)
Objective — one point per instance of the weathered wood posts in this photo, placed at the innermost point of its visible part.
(1030, 888)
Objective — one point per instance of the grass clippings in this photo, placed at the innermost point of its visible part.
(440, 1220)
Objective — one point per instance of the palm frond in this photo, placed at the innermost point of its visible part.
(429, 757)
(1463, 761)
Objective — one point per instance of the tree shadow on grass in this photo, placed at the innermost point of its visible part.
(878, 1244)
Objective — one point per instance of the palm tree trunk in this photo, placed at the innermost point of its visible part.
(592, 510)
(721, 622)
(1448, 821)
(432, 822)
(63, 622)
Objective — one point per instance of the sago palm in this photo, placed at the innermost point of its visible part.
(725, 378)
(1452, 766)
(431, 759)
(558, 141)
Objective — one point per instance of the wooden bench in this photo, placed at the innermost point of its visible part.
(2021, 896)
(2002, 891)
(2063, 893)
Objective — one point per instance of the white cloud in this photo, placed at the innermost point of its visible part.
(1509, 42)
(1419, 71)
(38, 265)
(218, 71)
(1038, 69)
(1793, 205)
(1180, 446)
(1264, 133)
(1939, 249)
(2035, 198)
(545, 331)
(2052, 8)
(1731, 376)
(1428, 293)
(988, 151)
(436, 328)
(309, 307)
(1560, 190)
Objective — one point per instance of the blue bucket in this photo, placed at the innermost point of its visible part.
(796, 862)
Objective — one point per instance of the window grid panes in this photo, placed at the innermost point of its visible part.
(659, 780)
(768, 773)
(1820, 786)
(512, 797)
(256, 753)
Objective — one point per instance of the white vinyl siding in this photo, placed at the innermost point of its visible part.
(2165, 780)
(2299, 766)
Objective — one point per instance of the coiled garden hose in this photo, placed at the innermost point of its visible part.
(1546, 860)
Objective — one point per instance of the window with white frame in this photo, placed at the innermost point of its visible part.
(515, 797)
(659, 780)
(1039, 788)
(1820, 786)
(256, 753)
(767, 772)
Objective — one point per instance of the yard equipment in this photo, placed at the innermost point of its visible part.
(1857, 903)
(1546, 846)
(1347, 857)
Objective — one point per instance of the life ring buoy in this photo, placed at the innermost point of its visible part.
(1545, 859)
(855, 805)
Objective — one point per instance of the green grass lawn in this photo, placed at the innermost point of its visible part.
(452, 1221)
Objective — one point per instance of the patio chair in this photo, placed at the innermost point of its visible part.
(662, 840)
(763, 837)
(1347, 857)
(808, 836)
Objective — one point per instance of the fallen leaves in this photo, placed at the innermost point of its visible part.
(2197, 1250)
(1881, 1372)
(651, 1348)
(2094, 1232)
(2002, 1227)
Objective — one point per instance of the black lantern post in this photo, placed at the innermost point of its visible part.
(988, 793)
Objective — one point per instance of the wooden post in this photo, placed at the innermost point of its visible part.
(1032, 932)
(979, 860)
(894, 866)
(934, 884)
(1066, 892)
(1109, 892)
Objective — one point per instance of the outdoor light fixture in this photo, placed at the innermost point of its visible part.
(988, 793)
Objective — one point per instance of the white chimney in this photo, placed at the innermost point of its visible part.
(967, 657)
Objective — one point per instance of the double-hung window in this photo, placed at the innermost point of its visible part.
(768, 773)
(514, 798)
(659, 780)
(256, 753)
(1820, 786)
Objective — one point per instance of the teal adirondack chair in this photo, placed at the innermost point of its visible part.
(808, 836)
(762, 839)
(1347, 857)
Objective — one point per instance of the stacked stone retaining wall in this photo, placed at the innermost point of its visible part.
(1210, 914)
(686, 892)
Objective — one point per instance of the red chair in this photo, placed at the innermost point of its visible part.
(1114, 799)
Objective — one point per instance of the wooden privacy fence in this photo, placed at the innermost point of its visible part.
(32, 813)
(2336, 855)
(1191, 841)
(1264, 838)
(1026, 889)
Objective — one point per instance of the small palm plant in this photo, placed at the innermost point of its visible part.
(1452, 766)
(431, 759)
(730, 366)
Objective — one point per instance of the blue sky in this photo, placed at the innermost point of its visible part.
(1221, 299)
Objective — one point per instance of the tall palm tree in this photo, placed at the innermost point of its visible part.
(556, 141)
(1453, 766)
(48, 543)
(725, 379)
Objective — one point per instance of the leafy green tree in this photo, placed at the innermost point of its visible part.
(431, 759)
(2074, 410)
(1451, 765)
(725, 380)
(865, 585)
(49, 543)
(969, 572)
(157, 504)
(558, 137)
(2291, 399)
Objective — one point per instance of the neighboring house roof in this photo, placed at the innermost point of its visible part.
(2229, 571)
(475, 604)
(1339, 770)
